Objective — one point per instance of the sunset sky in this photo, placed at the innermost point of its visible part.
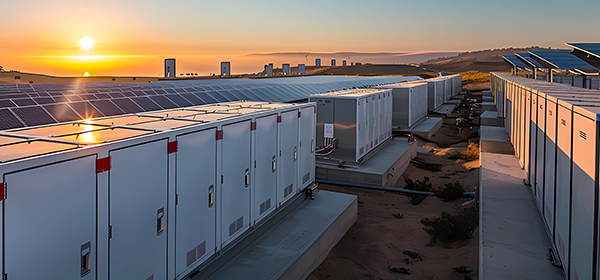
(134, 37)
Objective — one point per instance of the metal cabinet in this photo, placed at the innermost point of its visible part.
(195, 210)
(288, 156)
(307, 147)
(563, 183)
(265, 166)
(541, 148)
(234, 201)
(138, 204)
(50, 225)
(550, 162)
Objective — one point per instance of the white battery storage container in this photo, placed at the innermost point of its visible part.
(409, 104)
(149, 196)
(357, 119)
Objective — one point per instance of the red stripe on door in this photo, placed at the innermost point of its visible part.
(103, 164)
(172, 147)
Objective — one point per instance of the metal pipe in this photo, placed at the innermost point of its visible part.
(402, 191)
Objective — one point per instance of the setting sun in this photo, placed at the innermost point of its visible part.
(86, 43)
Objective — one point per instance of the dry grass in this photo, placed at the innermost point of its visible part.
(470, 77)
(472, 153)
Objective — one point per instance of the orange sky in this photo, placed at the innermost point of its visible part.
(38, 35)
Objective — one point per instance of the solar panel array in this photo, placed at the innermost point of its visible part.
(562, 60)
(514, 61)
(591, 48)
(526, 58)
(38, 104)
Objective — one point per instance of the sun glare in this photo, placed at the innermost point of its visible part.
(86, 74)
(86, 43)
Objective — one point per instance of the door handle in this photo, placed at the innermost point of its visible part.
(247, 177)
(211, 196)
(85, 259)
(295, 154)
(160, 217)
(273, 165)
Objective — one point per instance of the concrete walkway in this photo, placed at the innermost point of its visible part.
(513, 242)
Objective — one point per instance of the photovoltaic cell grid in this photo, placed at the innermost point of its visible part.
(514, 61)
(38, 104)
(562, 60)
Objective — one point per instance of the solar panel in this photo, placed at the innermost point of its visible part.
(72, 98)
(193, 98)
(8, 120)
(216, 96)
(24, 102)
(33, 115)
(106, 107)
(514, 61)
(103, 95)
(146, 103)
(127, 105)
(7, 103)
(85, 110)
(163, 101)
(205, 97)
(62, 112)
(561, 60)
(129, 94)
(115, 94)
(589, 48)
(180, 101)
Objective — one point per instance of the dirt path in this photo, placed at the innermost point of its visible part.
(376, 243)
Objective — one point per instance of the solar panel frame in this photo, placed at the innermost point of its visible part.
(163, 102)
(9, 120)
(146, 103)
(106, 107)
(85, 110)
(62, 112)
(127, 105)
(34, 115)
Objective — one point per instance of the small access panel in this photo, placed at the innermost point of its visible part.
(50, 221)
(138, 216)
(195, 211)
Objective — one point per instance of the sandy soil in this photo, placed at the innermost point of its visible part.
(375, 244)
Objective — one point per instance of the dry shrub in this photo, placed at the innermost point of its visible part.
(474, 77)
(422, 186)
(472, 153)
(449, 227)
(450, 191)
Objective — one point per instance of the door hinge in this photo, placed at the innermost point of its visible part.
(4, 187)
(109, 232)
(5, 276)
(176, 199)
(221, 179)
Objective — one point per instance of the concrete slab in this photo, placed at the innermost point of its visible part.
(446, 109)
(427, 128)
(486, 106)
(493, 133)
(490, 118)
(382, 169)
(486, 93)
(513, 243)
(487, 98)
(297, 244)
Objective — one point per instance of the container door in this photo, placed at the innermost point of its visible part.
(550, 164)
(583, 196)
(288, 156)
(376, 121)
(540, 153)
(50, 221)
(138, 217)
(195, 214)
(235, 180)
(307, 147)
(362, 126)
(369, 126)
(522, 122)
(527, 133)
(563, 184)
(265, 167)
(533, 142)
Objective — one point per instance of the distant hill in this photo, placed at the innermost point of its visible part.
(308, 58)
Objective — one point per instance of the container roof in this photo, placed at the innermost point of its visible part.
(27, 142)
(38, 104)
(351, 92)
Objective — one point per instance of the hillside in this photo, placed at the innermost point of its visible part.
(490, 55)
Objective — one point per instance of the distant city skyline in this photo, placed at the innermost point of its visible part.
(134, 37)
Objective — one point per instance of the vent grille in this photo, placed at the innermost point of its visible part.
(305, 178)
(265, 206)
(582, 135)
(288, 190)
(196, 253)
(236, 225)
